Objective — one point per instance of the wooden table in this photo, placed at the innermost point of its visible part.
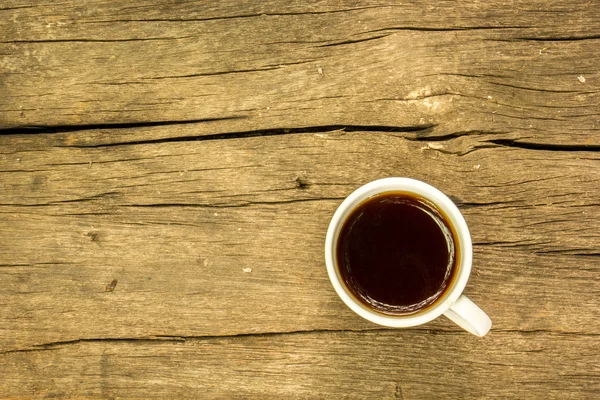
(168, 170)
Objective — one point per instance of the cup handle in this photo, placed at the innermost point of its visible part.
(468, 316)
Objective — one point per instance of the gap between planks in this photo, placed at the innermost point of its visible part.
(422, 129)
(184, 338)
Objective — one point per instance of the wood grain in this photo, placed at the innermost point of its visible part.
(513, 70)
(353, 365)
(177, 223)
(168, 171)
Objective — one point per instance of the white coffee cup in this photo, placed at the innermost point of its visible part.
(453, 304)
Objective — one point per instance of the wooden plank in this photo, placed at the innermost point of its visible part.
(162, 229)
(177, 223)
(352, 365)
(526, 71)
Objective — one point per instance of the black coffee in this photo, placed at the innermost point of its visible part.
(396, 253)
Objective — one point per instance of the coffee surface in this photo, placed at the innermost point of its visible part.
(396, 253)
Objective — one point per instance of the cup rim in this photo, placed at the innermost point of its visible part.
(440, 200)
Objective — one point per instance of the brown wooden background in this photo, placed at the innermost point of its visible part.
(168, 170)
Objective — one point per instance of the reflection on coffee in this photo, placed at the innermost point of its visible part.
(396, 253)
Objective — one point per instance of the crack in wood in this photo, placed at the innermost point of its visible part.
(46, 129)
(182, 338)
(453, 135)
(472, 204)
(15, 8)
(230, 135)
(178, 205)
(542, 90)
(218, 18)
(558, 39)
(544, 146)
(421, 134)
(240, 71)
(448, 29)
(241, 204)
(157, 339)
(345, 42)
(84, 40)
(569, 252)
(217, 73)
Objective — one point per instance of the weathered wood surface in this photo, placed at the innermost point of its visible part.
(506, 68)
(162, 227)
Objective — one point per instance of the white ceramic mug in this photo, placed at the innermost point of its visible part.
(453, 304)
